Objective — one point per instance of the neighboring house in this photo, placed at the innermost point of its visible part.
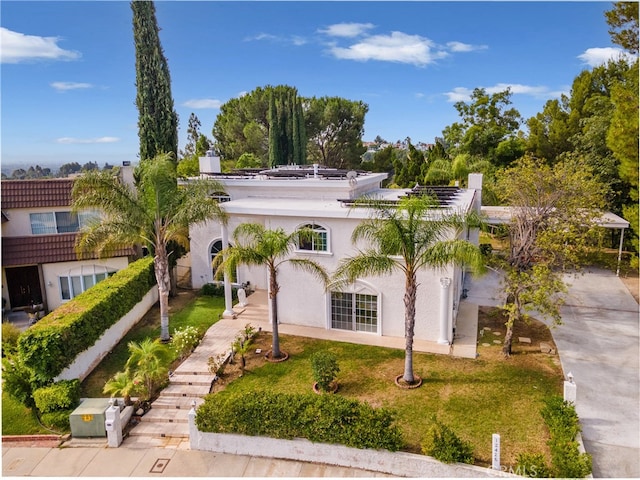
(292, 198)
(39, 263)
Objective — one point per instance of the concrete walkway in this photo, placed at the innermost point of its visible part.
(598, 342)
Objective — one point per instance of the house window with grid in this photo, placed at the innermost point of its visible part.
(354, 311)
(77, 282)
(317, 242)
(60, 222)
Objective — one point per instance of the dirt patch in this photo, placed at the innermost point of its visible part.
(632, 282)
(492, 329)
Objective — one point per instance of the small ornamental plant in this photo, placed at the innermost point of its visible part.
(217, 364)
(185, 340)
(325, 368)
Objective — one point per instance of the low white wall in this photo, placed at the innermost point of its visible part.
(84, 363)
(399, 463)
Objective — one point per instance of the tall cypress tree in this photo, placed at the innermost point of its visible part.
(287, 139)
(157, 118)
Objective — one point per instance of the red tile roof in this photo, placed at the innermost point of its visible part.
(55, 192)
(39, 249)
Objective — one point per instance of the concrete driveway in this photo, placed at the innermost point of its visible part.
(599, 343)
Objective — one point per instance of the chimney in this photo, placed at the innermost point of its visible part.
(126, 174)
(210, 163)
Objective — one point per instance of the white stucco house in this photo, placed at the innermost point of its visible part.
(295, 197)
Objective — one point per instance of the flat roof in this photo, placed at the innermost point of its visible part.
(501, 215)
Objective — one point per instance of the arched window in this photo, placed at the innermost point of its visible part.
(319, 240)
(215, 248)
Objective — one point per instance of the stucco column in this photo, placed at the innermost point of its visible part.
(228, 302)
(443, 339)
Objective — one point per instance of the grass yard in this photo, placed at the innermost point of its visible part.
(476, 398)
(187, 308)
(18, 419)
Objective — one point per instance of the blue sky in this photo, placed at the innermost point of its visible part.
(68, 68)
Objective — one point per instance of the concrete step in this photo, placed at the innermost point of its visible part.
(201, 380)
(164, 415)
(186, 390)
(175, 403)
(162, 430)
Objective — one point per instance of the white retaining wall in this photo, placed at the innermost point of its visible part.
(399, 463)
(86, 361)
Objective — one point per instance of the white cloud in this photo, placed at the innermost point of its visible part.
(71, 140)
(348, 30)
(18, 47)
(463, 94)
(202, 103)
(397, 47)
(293, 40)
(464, 47)
(599, 56)
(261, 36)
(64, 86)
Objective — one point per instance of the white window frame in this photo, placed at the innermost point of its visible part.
(79, 276)
(51, 227)
(359, 287)
(320, 229)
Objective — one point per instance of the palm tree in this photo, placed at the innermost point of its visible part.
(148, 363)
(155, 213)
(120, 384)
(256, 245)
(407, 237)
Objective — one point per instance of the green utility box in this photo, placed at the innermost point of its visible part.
(88, 419)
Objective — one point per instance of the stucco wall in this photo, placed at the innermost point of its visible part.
(84, 363)
(303, 299)
(51, 272)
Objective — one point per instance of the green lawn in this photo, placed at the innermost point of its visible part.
(476, 398)
(18, 419)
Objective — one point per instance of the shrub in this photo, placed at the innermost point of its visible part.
(318, 418)
(562, 420)
(217, 290)
(486, 248)
(61, 395)
(532, 465)
(216, 364)
(53, 343)
(324, 366)
(184, 340)
(16, 380)
(10, 335)
(58, 420)
(443, 444)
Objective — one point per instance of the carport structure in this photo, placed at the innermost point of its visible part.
(497, 215)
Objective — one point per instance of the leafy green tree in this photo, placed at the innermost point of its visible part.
(622, 140)
(248, 160)
(412, 171)
(69, 168)
(402, 238)
(156, 213)
(149, 364)
(256, 245)
(486, 120)
(623, 22)
(553, 217)
(157, 118)
(196, 147)
(549, 130)
(335, 127)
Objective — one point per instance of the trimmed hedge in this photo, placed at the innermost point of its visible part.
(562, 420)
(318, 418)
(444, 445)
(53, 343)
(62, 395)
